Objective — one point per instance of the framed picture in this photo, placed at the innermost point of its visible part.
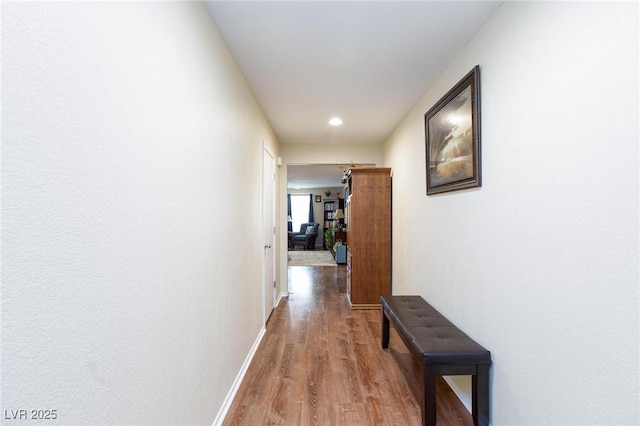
(318, 198)
(452, 134)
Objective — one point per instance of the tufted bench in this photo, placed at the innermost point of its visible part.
(441, 349)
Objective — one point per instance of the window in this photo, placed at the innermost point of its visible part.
(299, 210)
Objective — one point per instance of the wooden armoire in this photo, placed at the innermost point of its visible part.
(368, 218)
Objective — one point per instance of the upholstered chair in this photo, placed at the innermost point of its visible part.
(306, 237)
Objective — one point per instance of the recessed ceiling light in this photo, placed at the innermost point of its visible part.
(335, 121)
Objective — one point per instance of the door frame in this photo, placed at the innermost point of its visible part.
(268, 232)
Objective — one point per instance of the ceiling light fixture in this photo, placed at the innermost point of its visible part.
(335, 121)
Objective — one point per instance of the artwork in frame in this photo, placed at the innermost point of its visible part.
(318, 198)
(452, 133)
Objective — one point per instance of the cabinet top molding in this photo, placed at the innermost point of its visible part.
(357, 170)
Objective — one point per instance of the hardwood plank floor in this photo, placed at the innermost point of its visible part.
(320, 363)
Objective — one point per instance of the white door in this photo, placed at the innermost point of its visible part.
(268, 230)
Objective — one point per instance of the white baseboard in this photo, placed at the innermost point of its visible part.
(282, 295)
(236, 384)
(462, 396)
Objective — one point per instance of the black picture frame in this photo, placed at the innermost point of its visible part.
(318, 198)
(452, 138)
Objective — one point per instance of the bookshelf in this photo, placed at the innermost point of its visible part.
(331, 208)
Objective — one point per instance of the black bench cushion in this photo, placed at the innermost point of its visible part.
(430, 334)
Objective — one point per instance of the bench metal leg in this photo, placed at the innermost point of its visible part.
(480, 395)
(428, 390)
(385, 330)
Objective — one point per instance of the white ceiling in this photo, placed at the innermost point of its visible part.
(302, 176)
(367, 62)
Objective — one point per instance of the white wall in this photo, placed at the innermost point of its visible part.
(540, 265)
(131, 212)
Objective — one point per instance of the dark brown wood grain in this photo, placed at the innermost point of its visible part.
(320, 363)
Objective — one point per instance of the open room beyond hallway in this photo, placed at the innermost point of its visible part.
(320, 363)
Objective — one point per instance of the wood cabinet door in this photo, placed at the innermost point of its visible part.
(370, 238)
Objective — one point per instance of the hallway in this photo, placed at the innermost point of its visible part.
(320, 363)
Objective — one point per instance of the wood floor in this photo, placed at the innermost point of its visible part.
(321, 363)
